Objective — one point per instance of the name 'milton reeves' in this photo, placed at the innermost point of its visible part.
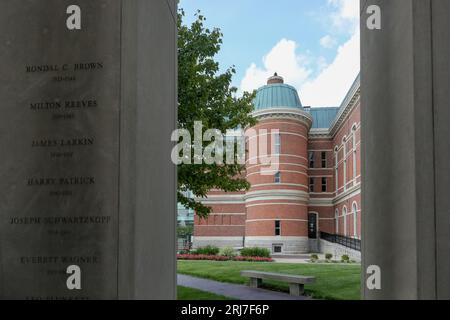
(69, 104)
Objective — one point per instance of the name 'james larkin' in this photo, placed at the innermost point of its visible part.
(76, 142)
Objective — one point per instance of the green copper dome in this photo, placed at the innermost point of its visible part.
(276, 94)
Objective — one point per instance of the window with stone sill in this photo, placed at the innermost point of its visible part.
(311, 184)
(278, 248)
(324, 159)
(324, 185)
(311, 160)
(277, 228)
(278, 177)
(277, 144)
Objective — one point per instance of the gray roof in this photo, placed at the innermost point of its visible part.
(285, 96)
(277, 96)
(323, 117)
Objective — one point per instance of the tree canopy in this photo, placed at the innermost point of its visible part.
(205, 94)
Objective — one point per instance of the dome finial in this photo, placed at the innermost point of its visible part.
(275, 79)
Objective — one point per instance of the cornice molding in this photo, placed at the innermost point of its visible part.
(344, 113)
(267, 195)
(320, 134)
(321, 202)
(222, 199)
(285, 113)
(350, 102)
(351, 192)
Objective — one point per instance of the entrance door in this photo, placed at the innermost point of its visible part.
(312, 225)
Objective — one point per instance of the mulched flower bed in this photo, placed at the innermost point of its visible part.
(199, 257)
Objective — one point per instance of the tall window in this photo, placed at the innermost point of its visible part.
(311, 160)
(312, 183)
(277, 144)
(277, 228)
(336, 169)
(355, 220)
(336, 217)
(344, 213)
(324, 159)
(354, 152)
(345, 163)
(324, 185)
(278, 177)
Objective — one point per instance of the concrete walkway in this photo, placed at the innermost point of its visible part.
(234, 291)
(296, 259)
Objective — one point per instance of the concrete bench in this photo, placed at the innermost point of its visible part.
(296, 283)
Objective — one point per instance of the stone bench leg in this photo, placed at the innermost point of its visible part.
(296, 289)
(255, 282)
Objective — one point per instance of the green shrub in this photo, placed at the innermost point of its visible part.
(345, 258)
(314, 257)
(228, 252)
(207, 251)
(328, 256)
(255, 252)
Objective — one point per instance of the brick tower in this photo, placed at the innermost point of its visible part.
(277, 203)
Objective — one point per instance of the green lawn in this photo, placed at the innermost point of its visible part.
(333, 281)
(194, 294)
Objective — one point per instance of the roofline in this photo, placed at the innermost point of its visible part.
(346, 106)
(321, 108)
(276, 85)
(268, 86)
(348, 103)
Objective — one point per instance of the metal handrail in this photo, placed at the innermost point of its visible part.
(347, 242)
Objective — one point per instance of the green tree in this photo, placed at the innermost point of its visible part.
(206, 95)
(185, 231)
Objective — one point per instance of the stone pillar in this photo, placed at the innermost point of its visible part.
(87, 186)
(406, 161)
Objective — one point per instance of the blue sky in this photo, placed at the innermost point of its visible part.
(313, 44)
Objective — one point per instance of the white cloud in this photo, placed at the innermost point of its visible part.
(328, 42)
(319, 83)
(321, 63)
(284, 60)
(332, 84)
(345, 14)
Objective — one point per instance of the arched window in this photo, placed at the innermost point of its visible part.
(344, 213)
(336, 217)
(354, 151)
(336, 169)
(355, 219)
(344, 142)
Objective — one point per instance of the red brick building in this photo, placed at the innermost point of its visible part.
(313, 188)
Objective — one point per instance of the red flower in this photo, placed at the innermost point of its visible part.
(200, 257)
